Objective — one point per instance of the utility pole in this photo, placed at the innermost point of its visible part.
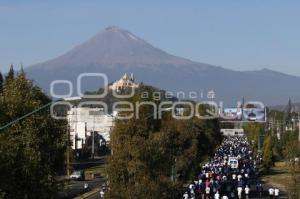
(93, 140)
(258, 143)
(76, 134)
(68, 150)
(85, 130)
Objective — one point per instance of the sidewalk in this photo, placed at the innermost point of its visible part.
(88, 194)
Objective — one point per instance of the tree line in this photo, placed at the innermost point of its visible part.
(278, 142)
(32, 150)
(154, 158)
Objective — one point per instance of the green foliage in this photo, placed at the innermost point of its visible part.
(1, 82)
(268, 158)
(32, 150)
(287, 146)
(153, 158)
(10, 75)
(288, 112)
(294, 185)
(290, 145)
(276, 115)
(253, 132)
(2, 194)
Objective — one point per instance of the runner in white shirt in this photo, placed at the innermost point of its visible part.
(233, 176)
(239, 177)
(224, 178)
(276, 192)
(192, 192)
(101, 194)
(86, 186)
(247, 191)
(207, 190)
(185, 195)
(224, 197)
(240, 189)
(271, 192)
(217, 195)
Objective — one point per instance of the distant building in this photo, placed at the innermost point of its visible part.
(83, 121)
(232, 132)
(124, 83)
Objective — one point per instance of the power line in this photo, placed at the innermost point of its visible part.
(25, 116)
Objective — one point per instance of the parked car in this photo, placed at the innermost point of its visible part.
(77, 175)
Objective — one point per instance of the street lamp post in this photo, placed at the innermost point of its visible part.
(68, 149)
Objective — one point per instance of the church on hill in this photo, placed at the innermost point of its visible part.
(124, 83)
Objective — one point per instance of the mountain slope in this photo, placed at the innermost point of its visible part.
(116, 51)
(116, 46)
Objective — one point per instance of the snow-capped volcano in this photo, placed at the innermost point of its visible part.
(116, 46)
(116, 51)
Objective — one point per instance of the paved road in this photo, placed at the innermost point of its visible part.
(77, 187)
(95, 196)
(254, 195)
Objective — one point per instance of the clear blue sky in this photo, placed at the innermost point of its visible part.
(240, 34)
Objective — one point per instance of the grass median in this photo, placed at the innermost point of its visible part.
(285, 176)
(97, 170)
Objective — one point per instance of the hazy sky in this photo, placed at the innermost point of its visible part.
(241, 35)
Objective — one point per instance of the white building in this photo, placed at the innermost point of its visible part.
(85, 120)
(123, 83)
(232, 132)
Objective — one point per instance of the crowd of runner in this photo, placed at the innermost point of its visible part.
(231, 173)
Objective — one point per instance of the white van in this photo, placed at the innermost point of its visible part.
(233, 162)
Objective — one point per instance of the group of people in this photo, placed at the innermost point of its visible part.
(102, 190)
(229, 174)
(273, 193)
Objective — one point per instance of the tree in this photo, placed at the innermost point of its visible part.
(1, 82)
(31, 150)
(10, 75)
(153, 158)
(130, 173)
(268, 159)
(253, 132)
(288, 113)
(291, 151)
